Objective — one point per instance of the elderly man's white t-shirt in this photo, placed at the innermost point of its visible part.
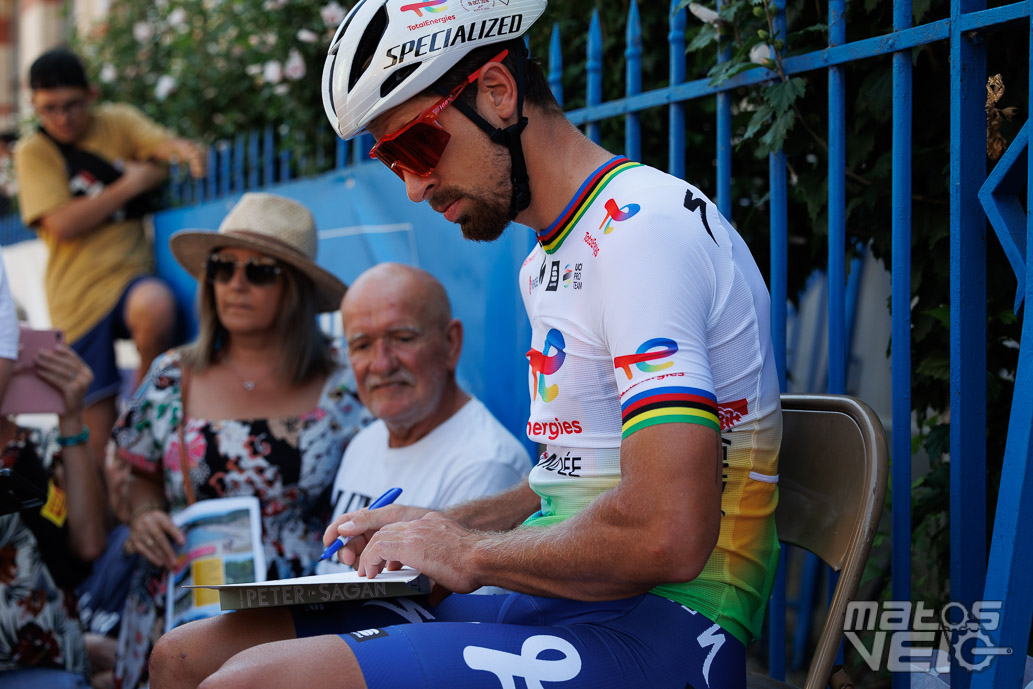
(470, 455)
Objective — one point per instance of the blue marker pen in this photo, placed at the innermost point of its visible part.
(386, 499)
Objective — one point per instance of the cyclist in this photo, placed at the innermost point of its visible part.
(642, 548)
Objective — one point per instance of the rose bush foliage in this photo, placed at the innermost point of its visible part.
(214, 69)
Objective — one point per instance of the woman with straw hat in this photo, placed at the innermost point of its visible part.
(259, 404)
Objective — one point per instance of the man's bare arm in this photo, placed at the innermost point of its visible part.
(83, 214)
(659, 525)
(500, 512)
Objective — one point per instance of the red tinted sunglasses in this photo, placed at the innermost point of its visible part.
(417, 147)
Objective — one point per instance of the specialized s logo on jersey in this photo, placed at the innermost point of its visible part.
(643, 354)
(542, 364)
(615, 214)
(693, 204)
(528, 665)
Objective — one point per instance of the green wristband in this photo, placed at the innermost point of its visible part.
(73, 440)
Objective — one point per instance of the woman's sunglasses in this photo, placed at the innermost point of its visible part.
(417, 147)
(260, 272)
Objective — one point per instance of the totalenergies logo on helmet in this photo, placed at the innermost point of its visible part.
(615, 214)
(542, 364)
(432, 6)
(643, 354)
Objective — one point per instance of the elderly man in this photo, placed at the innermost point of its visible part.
(434, 440)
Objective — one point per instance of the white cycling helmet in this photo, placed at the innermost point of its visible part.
(387, 51)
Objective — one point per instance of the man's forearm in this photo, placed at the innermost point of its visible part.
(84, 214)
(500, 512)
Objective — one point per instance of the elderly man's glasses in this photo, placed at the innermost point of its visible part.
(260, 272)
(417, 147)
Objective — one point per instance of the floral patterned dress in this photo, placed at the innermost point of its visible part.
(39, 621)
(288, 463)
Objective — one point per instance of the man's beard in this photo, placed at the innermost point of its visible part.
(487, 213)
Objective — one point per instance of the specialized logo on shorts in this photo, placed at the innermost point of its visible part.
(542, 364)
(713, 638)
(527, 665)
(615, 214)
(433, 6)
(642, 355)
(367, 634)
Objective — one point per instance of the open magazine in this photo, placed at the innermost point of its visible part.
(223, 546)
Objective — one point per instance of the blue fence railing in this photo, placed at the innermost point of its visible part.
(972, 578)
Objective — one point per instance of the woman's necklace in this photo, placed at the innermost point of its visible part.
(249, 384)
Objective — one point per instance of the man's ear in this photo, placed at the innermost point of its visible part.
(454, 342)
(92, 92)
(497, 94)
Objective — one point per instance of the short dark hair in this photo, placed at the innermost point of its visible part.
(536, 86)
(57, 68)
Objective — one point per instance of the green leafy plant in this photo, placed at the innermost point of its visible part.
(215, 69)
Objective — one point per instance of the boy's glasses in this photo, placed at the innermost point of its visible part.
(260, 272)
(417, 147)
(52, 110)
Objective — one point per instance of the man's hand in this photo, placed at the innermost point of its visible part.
(142, 176)
(434, 544)
(362, 524)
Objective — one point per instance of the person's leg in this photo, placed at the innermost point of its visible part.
(318, 662)
(97, 349)
(187, 655)
(151, 318)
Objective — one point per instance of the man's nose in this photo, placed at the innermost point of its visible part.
(383, 359)
(418, 188)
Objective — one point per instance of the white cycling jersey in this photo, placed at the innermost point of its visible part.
(646, 307)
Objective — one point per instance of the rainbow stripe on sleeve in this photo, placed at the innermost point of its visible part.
(669, 405)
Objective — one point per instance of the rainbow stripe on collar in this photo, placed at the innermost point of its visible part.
(552, 237)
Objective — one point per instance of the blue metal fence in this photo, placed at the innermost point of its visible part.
(1011, 555)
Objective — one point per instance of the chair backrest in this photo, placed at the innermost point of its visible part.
(832, 483)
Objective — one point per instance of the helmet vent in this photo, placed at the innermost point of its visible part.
(397, 77)
(368, 45)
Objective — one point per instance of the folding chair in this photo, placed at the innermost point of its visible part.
(832, 482)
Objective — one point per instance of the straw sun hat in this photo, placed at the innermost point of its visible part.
(272, 225)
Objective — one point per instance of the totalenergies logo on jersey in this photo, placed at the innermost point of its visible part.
(615, 214)
(643, 354)
(433, 6)
(542, 364)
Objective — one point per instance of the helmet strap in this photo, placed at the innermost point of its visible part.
(510, 138)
